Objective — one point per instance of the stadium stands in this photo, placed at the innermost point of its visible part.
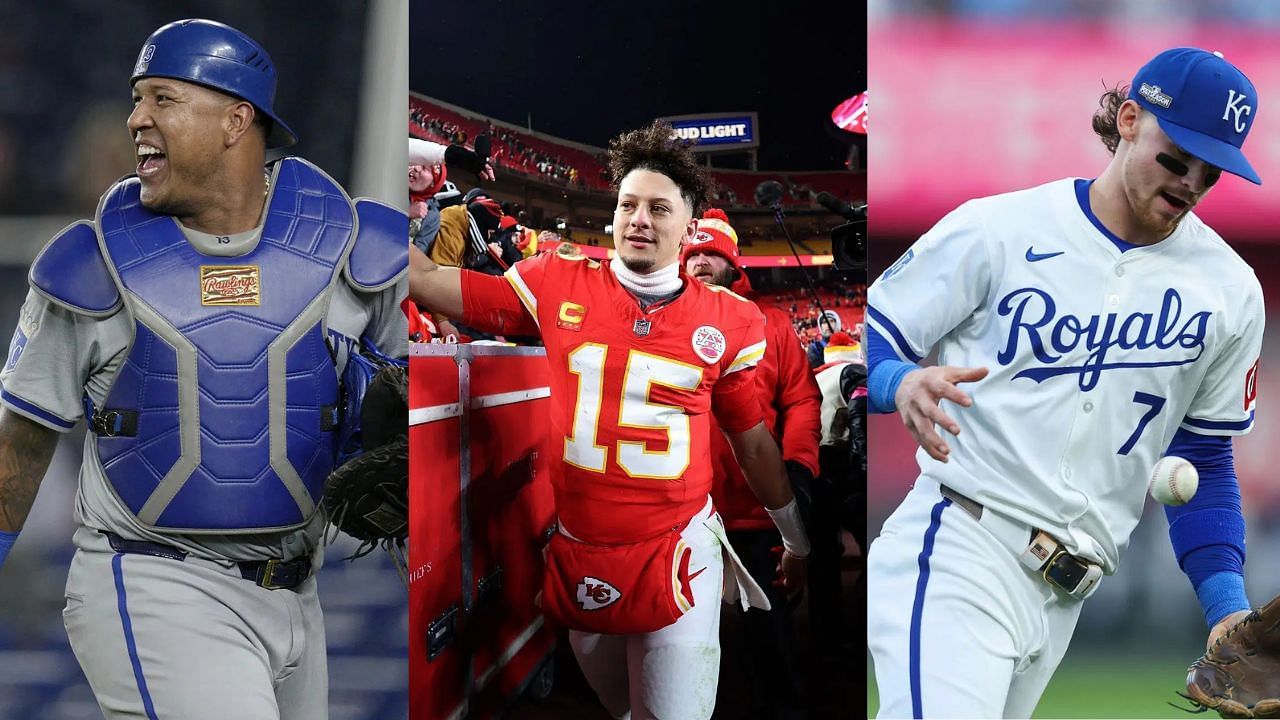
(566, 163)
(519, 151)
(851, 311)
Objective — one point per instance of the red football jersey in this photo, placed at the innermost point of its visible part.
(631, 391)
(791, 403)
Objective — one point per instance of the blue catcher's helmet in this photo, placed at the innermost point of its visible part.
(217, 56)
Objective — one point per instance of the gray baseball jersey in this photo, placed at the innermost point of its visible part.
(158, 636)
(58, 356)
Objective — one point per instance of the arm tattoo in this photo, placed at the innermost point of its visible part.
(26, 448)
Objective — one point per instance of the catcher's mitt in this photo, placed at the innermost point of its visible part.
(1240, 675)
(384, 412)
(368, 496)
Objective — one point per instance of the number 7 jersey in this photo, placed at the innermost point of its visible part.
(1096, 356)
(631, 389)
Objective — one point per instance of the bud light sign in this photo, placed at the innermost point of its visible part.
(720, 132)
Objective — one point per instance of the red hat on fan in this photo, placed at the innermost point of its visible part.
(439, 175)
(506, 222)
(715, 235)
(841, 347)
(840, 338)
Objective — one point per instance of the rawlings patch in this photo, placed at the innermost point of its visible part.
(230, 285)
(594, 594)
(708, 343)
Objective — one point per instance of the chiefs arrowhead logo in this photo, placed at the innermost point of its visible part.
(594, 593)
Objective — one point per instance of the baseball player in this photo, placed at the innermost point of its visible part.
(791, 414)
(639, 354)
(201, 324)
(1098, 324)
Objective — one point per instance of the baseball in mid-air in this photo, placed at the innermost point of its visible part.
(1174, 480)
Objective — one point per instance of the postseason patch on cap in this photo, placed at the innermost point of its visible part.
(1154, 95)
(1204, 104)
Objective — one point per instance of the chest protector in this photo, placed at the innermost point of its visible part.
(224, 416)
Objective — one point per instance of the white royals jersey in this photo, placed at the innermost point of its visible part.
(1096, 356)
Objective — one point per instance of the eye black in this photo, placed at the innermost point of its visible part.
(1174, 165)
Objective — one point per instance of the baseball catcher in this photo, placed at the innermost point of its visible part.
(201, 324)
(1240, 674)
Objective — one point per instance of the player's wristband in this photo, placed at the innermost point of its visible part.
(6, 543)
(883, 382)
(787, 518)
(1220, 595)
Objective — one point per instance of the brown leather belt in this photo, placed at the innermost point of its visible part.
(1044, 554)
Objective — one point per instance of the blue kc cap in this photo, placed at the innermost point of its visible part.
(1203, 103)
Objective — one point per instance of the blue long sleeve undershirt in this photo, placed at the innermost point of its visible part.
(884, 372)
(1208, 533)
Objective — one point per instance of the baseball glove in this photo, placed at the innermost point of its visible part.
(384, 412)
(1239, 676)
(368, 496)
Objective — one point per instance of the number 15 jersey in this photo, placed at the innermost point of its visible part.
(631, 387)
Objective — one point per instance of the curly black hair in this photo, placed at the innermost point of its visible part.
(654, 147)
(1104, 119)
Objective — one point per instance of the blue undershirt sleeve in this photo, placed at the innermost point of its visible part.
(7, 539)
(1208, 533)
(884, 372)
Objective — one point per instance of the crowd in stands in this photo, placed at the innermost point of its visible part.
(736, 188)
(513, 151)
(567, 164)
(849, 304)
(564, 164)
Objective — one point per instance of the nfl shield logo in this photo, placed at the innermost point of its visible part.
(641, 327)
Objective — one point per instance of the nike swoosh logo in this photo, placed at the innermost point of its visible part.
(1033, 256)
(695, 574)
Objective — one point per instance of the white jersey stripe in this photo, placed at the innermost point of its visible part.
(747, 357)
(526, 296)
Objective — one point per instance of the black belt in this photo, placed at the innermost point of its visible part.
(1043, 554)
(269, 574)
